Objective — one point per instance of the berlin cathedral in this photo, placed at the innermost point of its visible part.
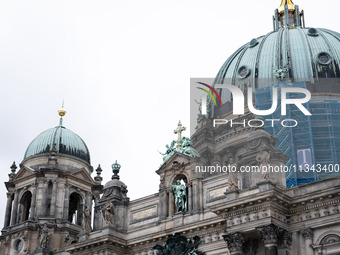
(55, 206)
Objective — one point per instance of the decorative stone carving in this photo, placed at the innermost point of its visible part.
(7, 240)
(307, 233)
(178, 245)
(235, 241)
(66, 237)
(87, 222)
(273, 234)
(287, 239)
(13, 169)
(108, 212)
(43, 236)
(253, 144)
(263, 160)
(270, 233)
(232, 177)
(329, 239)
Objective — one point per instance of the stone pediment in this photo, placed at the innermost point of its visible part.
(82, 175)
(176, 160)
(24, 172)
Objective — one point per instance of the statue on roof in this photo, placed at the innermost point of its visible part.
(170, 150)
(184, 145)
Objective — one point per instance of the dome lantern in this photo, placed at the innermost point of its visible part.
(288, 15)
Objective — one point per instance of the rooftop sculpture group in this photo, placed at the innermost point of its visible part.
(182, 145)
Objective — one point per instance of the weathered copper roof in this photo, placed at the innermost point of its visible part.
(66, 142)
(308, 53)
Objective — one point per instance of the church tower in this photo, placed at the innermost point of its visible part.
(49, 200)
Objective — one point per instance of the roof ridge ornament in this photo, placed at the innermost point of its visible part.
(115, 169)
(179, 130)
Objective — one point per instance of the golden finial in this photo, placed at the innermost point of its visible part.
(62, 111)
(291, 5)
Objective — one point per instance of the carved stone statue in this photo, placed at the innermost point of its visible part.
(180, 194)
(43, 236)
(87, 222)
(108, 212)
(232, 177)
(263, 159)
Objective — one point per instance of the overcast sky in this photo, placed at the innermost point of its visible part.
(123, 69)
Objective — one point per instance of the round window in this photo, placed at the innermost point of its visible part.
(313, 32)
(243, 72)
(323, 58)
(253, 43)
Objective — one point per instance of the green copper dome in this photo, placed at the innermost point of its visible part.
(291, 52)
(66, 142)
(296, 54)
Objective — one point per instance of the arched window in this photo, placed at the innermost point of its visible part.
(75, 209)
(330, 239)
(25, 206)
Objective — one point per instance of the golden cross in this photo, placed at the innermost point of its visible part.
(179, 131)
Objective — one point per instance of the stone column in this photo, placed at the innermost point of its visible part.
(43, 208)
(171, 204)
(66, 200)
(308, 235)
(8, 209)
(15, 208)
(88, 200)
(163, 204)
(54, 197)
(197, 197)
(189, 198)
(270, 235)
(235, 242)
(33, 201)
(40, 186)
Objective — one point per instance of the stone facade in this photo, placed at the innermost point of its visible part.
(47, 199)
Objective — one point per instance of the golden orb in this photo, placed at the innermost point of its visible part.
(62, 112)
